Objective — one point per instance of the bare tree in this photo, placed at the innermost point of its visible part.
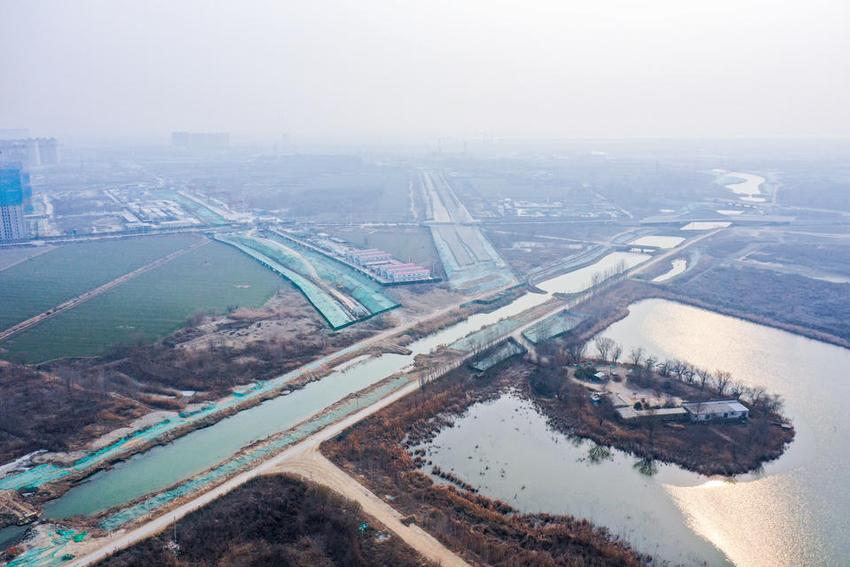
(679, 369)
(773, 403)
(603, 345)
(722, 379)
(704, 377)
(690, 373)
(621, 267)
(756, 395)
(650, 363)
(616, 352)
(559, 354)
(576, 351)
(70, 376)
(595, 280)
(636, 356)
(737, 388)
(664, 368)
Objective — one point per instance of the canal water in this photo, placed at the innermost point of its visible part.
(199, 450)
(796, 511)
(581, 279)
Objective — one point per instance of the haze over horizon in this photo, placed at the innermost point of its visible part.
(392, 72)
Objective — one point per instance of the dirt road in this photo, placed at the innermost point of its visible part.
(313, 466)
(97, 549)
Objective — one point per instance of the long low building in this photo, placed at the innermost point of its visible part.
(402, 272)
(369, 256)
(716, 410)
(382, 264)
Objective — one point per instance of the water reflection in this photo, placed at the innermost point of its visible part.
(797, 510)
(506, 450)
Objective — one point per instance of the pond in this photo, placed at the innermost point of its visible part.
(506, 449)
(581, 279)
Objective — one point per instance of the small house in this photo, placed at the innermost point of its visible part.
(716, 410)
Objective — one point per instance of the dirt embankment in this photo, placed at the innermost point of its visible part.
(481, 530)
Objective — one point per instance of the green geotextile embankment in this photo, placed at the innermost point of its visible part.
(557, 324)
(499, 354)
(367, 292)
(276, 260)
(306, 269)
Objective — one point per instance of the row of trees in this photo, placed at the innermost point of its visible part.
(644, 366)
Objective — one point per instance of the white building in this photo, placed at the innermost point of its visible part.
(716, 410)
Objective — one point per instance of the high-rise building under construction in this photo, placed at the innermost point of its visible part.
(15, 194)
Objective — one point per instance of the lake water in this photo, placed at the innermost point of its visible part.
(165, 465)
(796, 511)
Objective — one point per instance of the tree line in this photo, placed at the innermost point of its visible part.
(644, 366)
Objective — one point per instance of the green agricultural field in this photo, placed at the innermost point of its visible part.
(12, 256)
(36, 285)
(151, 306)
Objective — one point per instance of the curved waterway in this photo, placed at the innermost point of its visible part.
(796, 511)
(186, 457)
(749, 188)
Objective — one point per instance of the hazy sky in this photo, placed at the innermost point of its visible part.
(385, 71)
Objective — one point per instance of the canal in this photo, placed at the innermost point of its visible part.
(165, 465)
